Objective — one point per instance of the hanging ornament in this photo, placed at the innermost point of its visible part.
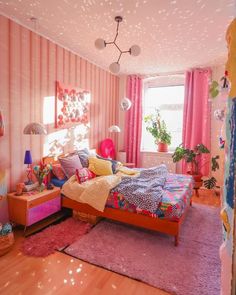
(214, 89)
(224, 83)
(221, 142)
(125, 104)
(2, 127)
(219, 115)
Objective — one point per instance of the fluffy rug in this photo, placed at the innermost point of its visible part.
(191, 268)
(54, 238)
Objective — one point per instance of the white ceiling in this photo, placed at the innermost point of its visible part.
(173, 34)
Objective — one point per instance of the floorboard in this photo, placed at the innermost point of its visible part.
(61, 274)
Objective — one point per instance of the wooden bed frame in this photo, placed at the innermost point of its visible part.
(157, 224)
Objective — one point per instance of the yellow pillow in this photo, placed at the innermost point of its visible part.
(100, 167)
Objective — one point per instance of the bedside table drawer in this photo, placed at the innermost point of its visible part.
(43, 210)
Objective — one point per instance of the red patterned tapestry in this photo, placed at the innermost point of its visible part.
(71, 106)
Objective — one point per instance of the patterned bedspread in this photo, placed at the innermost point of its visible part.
(146, 190)
(177, 193)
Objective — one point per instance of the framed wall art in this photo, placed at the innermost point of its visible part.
(71, 106)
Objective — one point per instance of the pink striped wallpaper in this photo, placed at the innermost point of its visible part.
(29, 67)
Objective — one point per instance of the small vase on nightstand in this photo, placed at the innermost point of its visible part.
(41, 186)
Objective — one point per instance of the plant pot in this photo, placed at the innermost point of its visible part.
(196, 177)
(162, 147)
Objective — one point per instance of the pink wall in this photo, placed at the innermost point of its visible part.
(30, 65)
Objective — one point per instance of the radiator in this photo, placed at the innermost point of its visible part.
(149, 159)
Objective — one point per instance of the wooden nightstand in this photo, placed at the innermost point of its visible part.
(33, 206)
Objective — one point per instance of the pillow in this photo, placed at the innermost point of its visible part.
(100, 166)
(84, 174)
(114, 164)
(70, 164)
(84, 157)
(58, 172)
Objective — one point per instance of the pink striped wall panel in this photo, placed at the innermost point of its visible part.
(30, 65)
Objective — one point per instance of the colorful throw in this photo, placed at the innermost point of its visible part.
(146, 190)
(177, 193)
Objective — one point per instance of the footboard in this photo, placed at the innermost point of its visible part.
(140, 220)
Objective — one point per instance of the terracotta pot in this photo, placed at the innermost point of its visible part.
(196, 177)
(162, 147)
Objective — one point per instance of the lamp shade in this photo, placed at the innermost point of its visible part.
(100, 44)
(135, 50)
(114, 128)
(114, 67)
(35, 128)
(28, 158)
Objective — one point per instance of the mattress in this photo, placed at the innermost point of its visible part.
(177, 194)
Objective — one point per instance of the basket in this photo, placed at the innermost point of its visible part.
(86, 217)
(6, 243)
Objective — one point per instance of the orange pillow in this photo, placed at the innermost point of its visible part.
(58, 172)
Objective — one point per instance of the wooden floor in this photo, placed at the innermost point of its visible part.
(61, 274)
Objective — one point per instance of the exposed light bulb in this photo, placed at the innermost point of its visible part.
(114, 67)
(100, 44)
(135, 50)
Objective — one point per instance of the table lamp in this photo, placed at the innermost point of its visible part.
(28, 162)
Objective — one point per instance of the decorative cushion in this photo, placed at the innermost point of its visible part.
(114, 164)
(84, 157)
(84, 174)
(58, 172)
(70, 164)
(100, 166)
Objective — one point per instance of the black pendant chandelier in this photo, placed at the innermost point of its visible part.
(101, 44)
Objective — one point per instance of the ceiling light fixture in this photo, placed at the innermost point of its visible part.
(101, 44)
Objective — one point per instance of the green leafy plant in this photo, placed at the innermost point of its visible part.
(157, 128)
(193, 156)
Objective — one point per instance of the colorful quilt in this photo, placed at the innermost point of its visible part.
(177, 193)
(146, 190)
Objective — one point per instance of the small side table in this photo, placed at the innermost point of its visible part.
(33, 206)
(129, 165)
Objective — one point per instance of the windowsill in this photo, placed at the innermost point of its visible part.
(170, 153)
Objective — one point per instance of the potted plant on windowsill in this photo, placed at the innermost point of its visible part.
(192, 157)
(158, 130)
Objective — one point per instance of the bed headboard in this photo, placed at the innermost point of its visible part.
(51, 159)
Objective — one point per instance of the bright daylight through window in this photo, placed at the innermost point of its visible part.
(169, 100)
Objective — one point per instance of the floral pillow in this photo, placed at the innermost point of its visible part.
(84, 174)
(58, 172)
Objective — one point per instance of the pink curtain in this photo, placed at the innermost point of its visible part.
(196, 123)
(133, 124)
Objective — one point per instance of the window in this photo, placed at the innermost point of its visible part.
(170, 101)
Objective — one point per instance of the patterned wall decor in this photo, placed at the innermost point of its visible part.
(3, 198)
(30, 65)
(228, 212)
(71, 106)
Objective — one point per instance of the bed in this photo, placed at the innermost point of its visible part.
(167, 219)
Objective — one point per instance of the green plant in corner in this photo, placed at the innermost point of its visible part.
(192, 156)
(157, 128)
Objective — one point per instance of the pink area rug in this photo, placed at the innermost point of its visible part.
(192, 268)
(54, 238)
